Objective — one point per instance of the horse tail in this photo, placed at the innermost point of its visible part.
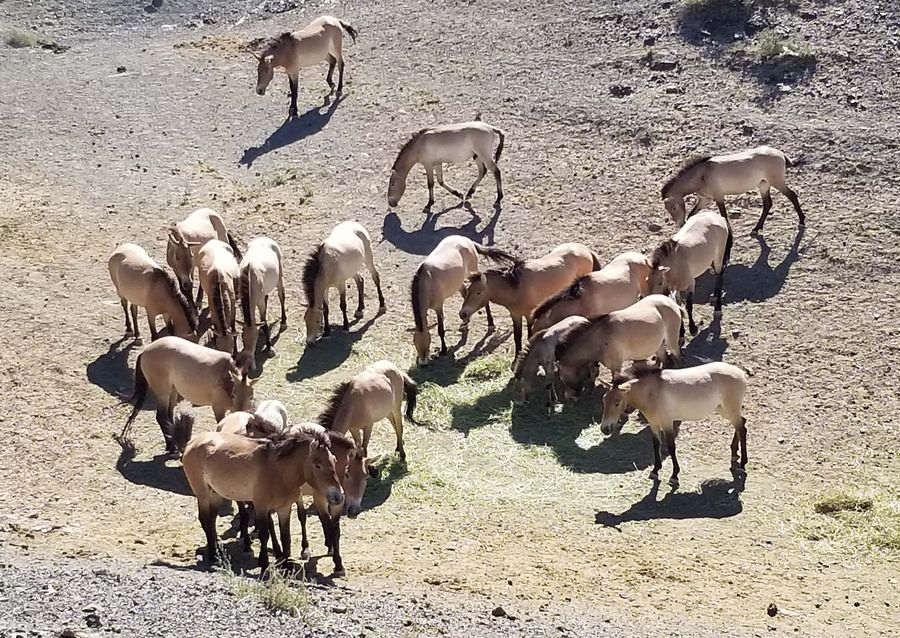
(494, 254)
(726, 256)
(350, 30)
(410, 389)
(499, 146)
(217, 304)
(596, 260)
(233, 243)
(245, 296)
(138, 396)
(416, 299)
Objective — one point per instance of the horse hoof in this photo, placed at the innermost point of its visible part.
(339, 573)
(329, 551)
(754, 233)
(358, 314)
(673, 482)
(654, 476)
(304, 554)
(693, 330)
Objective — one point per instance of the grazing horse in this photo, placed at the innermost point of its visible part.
(449, 144)
(373, 394)
(617, 285)
(140, 281)
(646, 328)
(267, 472)
(442, 273)
(171, 367)
(703, 242)
(320, 40)
(537, 361)
(716, 176)
(668, 397)
(185, 239)
(340, 257)
(219, 274)
(260, 273)
(525, 284)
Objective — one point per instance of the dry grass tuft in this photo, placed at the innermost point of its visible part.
(20, 38)
(842, 503)
(277, 594)
(849, 521)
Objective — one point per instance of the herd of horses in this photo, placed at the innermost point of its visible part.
(626, 315)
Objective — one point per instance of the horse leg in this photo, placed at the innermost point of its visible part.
(397, 422)
(244, 518)
(791, 195)
(151, 321)
(366, 435)
(492, 166)
(743, 434)
(263, 521)
(134, 321)
(482, 171)
(293, 80)
(721, 205)
(517, 334)
(429, 178)
(440, 327)
(276, 546)
(325, 522)
(326, 328)
(689, 307)
(165, 425)
(281, 299)
(284, 529)
(332, 62)
(670, 442)
(657, 461)
(342, 292)
(439, 171)
(766, 207)
(490, 317)
(206, 512)
(340, 88)
(197, 304)
(304, 539)
(128, 329)
(360, 296)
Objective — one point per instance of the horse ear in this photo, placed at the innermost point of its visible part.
(541, 373)
(253, 53)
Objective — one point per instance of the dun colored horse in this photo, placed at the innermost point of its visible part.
(449, 144)
(140, 281)
(260, 273)
(617, 285)
(442, 273)
(171, 367)
(714, 177)
(668, 397)
(322, 39)
(340, 257)
(219, 274)
(185, 239)
(638, 332)
(703, 242)
(267, 472)
(537, 361)
(373, 394)
(522, 286)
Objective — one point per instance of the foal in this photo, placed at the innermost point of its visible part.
(260, 273)
(330, 265)
(448, 144)
(525, 284)
(185, 239)
(667, 397)
(720, 175)
(321, 39)
(617, 285)
(219, 274)
(140, 281)
(442, 273)
(537, 361)
(703, 242)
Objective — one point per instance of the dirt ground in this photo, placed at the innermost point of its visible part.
(498, 504)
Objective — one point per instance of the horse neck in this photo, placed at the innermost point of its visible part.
(407, 159)
(688, 183)
(171, 307)
(500, 291)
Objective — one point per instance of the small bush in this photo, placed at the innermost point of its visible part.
(842, 503)
(275, 594)
(21, 39)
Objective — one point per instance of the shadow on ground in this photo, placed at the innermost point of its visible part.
(153, 473)
(423, 240)
(328, 352)
(761, 281)
(111, 372)
(378, 491)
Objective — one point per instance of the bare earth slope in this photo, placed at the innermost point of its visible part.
(499, 505)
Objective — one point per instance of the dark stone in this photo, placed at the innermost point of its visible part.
(620, 90)
(663, 64)
(650, 40)
(772, 610)
(121, 69)
(674, 90)
(498, 612)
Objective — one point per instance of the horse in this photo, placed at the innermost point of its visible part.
(537, 360)
(330, 265)
(171, 367)
(442, 273)
(703, 242)
(373, 394)
(451, 143)
(646, 328)
(267, 472)
(184, 240)
(260, 273)
(617, 285)
(522, 286)
(714, 177)
(321, 39)
(140, 281)
(219, 273)
(667, 397)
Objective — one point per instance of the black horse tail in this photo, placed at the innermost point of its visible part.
(350, 30)
(494, 254)
(138, 396)
(416, 298)
(726, 257)
(233, 243)
(499, 146)
(410, 389)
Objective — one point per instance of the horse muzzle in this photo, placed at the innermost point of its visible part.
(610, 428)
(335, 496)
(260, 91)
(352, 510)
(464, 315)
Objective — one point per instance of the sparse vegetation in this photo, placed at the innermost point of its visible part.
(850, 520)
(770, 45)
(840, 502)
(20, 38)
(277, 594)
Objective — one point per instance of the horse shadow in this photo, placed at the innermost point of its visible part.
(717, 498)
(293, 129)
(445, 370)
(760, 282)
(378, 490)
(153, 473)
(263, 355)
(423, 240)
(328, 352)
(707, 345)
(110, 371)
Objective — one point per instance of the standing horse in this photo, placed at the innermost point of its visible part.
(185, 239)
(452, 143)
(524, 285)
(703, 242)
(171, 367)
(714, 177)
(668, 397)
(442, 273)
(617, 285)
(537, 361)
(320, 40)
(219, 274)
(638, 332)
(260, 273)
(266, 472)
(140, 281)
(340, 257)
(373, 394)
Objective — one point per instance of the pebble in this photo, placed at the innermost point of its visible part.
(772, 610)
(498, 612)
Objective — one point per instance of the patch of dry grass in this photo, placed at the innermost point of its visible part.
(849, 521)
(277, 594)
(20, 38)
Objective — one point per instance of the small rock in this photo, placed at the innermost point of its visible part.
(663, 64)
(121, 69)
(498, 612)
(653, 228)
(674, 90)
(93, 621)
(780, 440)
(650, 40)
(808, 15)
(620, 90)
(746, 130)
(407, 622)
(735, 333)
(772, 610)
(156, 3)
(339, 609)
